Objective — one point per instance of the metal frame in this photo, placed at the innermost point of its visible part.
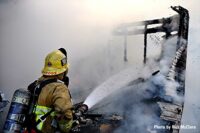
(182, 19)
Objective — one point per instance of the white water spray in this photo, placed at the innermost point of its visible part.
(111, 85)
(118, 81)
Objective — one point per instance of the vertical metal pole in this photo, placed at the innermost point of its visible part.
(145, 43)
(125, 48)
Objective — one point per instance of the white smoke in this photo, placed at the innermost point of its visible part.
(138, 101)
(168, 60)
(31, 29)
(120, 80)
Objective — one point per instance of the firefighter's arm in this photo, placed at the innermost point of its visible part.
(62, 101)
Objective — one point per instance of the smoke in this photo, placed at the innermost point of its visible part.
(136, 99)
(169, 59)
(31, 29)
(122, 79)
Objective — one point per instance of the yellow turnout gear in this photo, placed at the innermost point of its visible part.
(55, 95)
(41, 111)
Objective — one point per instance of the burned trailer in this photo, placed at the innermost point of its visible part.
(174, 26)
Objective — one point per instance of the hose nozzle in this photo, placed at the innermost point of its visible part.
(83, 108)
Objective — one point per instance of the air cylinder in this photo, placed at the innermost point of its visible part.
(18, 109)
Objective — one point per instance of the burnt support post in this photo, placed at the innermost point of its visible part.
(145, 43)
(125, 48)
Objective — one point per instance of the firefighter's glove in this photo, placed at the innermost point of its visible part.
(65, 125)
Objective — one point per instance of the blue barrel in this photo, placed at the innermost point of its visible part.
(18, 109)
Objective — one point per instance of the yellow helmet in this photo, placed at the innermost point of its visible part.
(55, 63)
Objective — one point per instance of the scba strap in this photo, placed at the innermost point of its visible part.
(35, 89)
(42, 84)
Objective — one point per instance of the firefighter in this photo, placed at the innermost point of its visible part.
(54, 99)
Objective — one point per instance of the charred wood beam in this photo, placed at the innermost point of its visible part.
(166, 26)
(148, 22)
(120, 32)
